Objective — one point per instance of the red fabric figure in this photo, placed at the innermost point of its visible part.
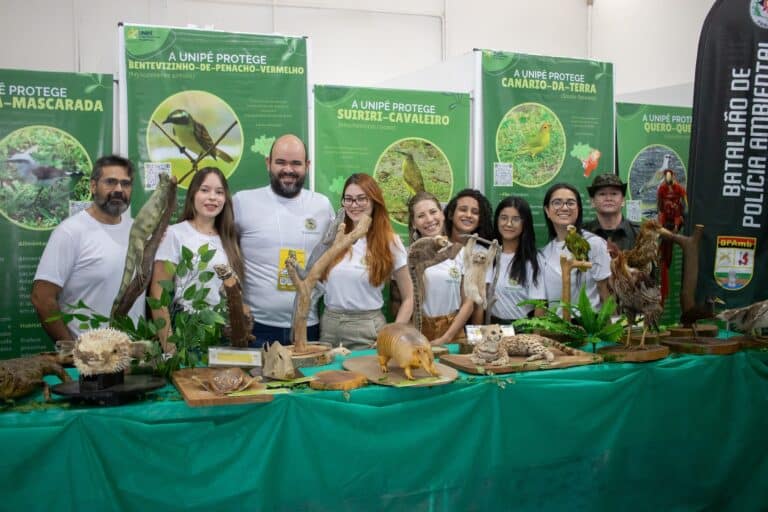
(672, 202)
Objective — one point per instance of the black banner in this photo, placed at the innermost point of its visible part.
(729, 152)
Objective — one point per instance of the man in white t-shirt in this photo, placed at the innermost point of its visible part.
(271, 221)
(85, 255)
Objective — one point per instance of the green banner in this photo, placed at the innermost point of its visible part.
(53, 126)
(545, 120)
(407, 140)
(651, 139)
(194, 91)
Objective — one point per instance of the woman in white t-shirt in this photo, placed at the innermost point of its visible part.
(519, 274)
(562, 206)
(354, 282)
(207, 220)
(445, 308)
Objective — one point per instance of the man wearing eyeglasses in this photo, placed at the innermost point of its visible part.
(273, 222)
(607, 195)
(85, 255)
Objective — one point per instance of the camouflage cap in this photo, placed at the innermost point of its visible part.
(606, 180)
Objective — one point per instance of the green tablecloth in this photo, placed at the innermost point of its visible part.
(685, 433)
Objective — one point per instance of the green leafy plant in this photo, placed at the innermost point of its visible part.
(589, 326)
(197, 325)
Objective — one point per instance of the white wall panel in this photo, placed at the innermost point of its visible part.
(37, 34)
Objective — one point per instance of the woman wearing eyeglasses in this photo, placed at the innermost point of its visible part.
(562, 206)
(520, 277)
(207, 220)
(354, 282)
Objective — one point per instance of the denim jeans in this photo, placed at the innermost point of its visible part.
(270, 333)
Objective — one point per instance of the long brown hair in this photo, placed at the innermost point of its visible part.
(224, 222)
(413, 233)
(378, 255)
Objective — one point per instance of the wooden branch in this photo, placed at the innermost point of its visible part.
(690, 247)
(240, 331)
(138, 286)
(566, 265)
(304, 287)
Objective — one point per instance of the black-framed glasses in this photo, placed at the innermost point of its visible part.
(350, 200)
(559, 203)
(113, 182)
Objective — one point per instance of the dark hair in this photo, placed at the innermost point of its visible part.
(526, 249)
(413, 233)
(579, 219)
(224, 222)
(107, 160)
(485, 224)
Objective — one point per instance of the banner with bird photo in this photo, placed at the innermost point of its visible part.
(545, 120)
(409, 141)
(52, 128)
(652, 148)
(203, 98)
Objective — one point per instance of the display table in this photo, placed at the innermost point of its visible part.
(684, 433)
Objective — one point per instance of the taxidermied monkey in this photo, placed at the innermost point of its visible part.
(423, 253)
(476, 264)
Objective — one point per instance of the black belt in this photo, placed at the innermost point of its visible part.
(497, 320)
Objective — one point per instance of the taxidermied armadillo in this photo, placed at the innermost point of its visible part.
(407, 346)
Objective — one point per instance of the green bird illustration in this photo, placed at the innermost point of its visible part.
(411, 173)
(193, 135)
(538, 142)
(576, 243)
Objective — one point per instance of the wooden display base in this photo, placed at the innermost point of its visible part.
(748, 342)
(131, 388)
(318, 354)
(439, 351)
(714, 346)
(622, 354)
(338, 380)
(464, 363)
(702, 331)
(196, 396)
(369, 366)
(465, 348)
(651, 337)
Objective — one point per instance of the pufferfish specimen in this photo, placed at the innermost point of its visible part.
(538, 142)
(411, 173)
(576, 243)
(193, 135)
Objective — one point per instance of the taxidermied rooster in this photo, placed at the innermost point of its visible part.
(637, 293)
(644, 255)
(748, 319)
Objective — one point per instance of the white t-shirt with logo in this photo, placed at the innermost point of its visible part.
(86, 259)
(267, 223)
(183, 234)
(553, 274)
(509, 292)
(442, 283)
(348, 288)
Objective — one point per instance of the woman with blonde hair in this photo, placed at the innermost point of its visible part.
(207, 219)
(354, 282)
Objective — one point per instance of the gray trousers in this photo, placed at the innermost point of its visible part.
(353, 329)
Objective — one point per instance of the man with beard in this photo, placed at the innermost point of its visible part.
(271, 222)
(607, 195)
(85, 255)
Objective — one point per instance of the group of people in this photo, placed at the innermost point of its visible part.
(255, 230)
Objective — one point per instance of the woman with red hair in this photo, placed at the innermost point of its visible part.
(354, 282)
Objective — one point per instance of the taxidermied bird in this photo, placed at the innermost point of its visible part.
(637, 293)
(537, 143)
(748, 319)
(411, 173)
(576, 243)
(698, 312)
(656, 178)
(30, 171)
(193, 135)
(644, 255)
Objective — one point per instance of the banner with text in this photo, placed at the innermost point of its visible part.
(53, 126)
(210, 98)
(729, 152)
(650, 140)
(407, 140)
(545, 120)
